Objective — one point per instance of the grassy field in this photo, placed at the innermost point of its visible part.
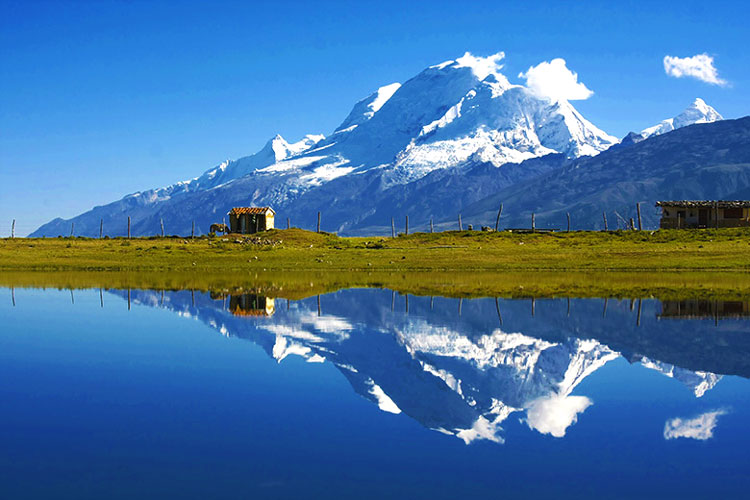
(295, 263)
(298, 250)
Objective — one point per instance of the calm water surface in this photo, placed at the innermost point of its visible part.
(370, 394)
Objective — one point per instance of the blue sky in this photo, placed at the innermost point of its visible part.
(100, 99)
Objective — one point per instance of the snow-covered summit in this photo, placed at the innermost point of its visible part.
(697, 112)
(452, 115)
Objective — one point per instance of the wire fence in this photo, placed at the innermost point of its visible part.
(623, 218)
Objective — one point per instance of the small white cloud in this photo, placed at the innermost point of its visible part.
(700, 66)
(555, 81)
(700, 427)
(554, 414)
(482, 66)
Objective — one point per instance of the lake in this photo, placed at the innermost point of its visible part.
(369, 393)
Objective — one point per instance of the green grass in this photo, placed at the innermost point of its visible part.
(295, 263)
(295, 249)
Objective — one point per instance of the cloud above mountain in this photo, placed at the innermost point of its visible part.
(553, 80)
(700, 67)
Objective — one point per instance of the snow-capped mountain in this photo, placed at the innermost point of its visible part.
(451, 115)
(697, 112)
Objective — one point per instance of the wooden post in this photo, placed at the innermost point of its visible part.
(460, 303)
(638, 209)
(101, 228)
(716, 215)
(459, 223)
(407, 226)
(161, 223)
(393, 299)
(101, 299)
(533, 306)
(497, 221)
(632, 224)
(407, 303)
(13, 296)
(499, 316)
(192, 231)
(318, 221)
(128, 299)
(13, 229)
(604, 214)
(604, 312)
(679, 220)
(432, 302)
(393, 228)
(432, 227)
(288, 225)
(568, 214)
(72, 299)
(533, 222)
(128, 234)
(72, 227)
(318, 304)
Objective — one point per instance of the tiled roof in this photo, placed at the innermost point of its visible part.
(705, 203)
(250, 210)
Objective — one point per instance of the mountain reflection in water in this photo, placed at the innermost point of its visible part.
(462, 367)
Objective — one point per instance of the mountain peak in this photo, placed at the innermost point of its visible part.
(366, 108)
(697, 112)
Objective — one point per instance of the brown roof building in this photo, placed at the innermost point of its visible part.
(248, 220)
(686, 214)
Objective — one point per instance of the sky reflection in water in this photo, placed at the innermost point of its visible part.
(370, 393)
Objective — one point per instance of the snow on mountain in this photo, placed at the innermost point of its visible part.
(367, 107)
(454, 114)
(697, 112)
(275, 150)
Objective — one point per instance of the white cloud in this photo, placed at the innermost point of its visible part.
(554, 414)
(700, 427)
(481, 66)
(700, 66)
(555, 81)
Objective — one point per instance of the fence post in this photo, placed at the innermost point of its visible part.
(393, 228)
(101, 228)
(128, 227)
(192, 231)
(716, 215)
(568, 214)
(638, 209)
(632, 224)
(72, 227)
(533, 222)
(459, 223)
(287, 223)
(318, 222)
(499, 213)
(13, 229)
(604, 214)
(432, 227)
(407, 225)
(161, 223)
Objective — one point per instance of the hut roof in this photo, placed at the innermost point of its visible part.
(705, 203)
(250, 210)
